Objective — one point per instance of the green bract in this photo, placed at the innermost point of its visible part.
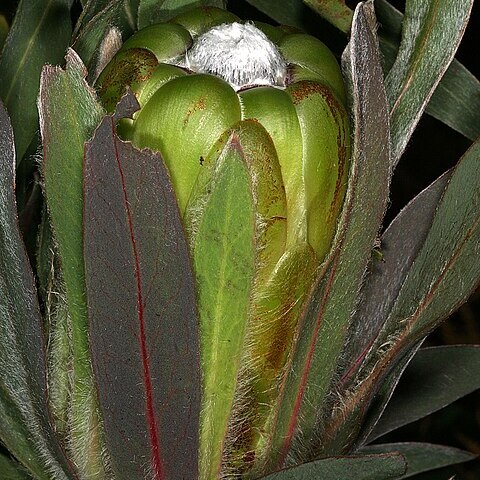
(183, 115)
(258, 157)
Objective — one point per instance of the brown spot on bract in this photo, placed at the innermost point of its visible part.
(306, 88)
(126, 69)
(199, 105)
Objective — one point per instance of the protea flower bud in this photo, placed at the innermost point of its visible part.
(290, 83)
(222, 98)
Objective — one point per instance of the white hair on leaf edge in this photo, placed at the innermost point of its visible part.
(239, 53)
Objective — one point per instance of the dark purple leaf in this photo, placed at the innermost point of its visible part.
(127, 106)
(435, 378)
(422, 457)
(143, 319)
(444, 272)
(389, 466)
(400, 245)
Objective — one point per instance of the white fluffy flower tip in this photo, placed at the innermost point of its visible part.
(241, 54)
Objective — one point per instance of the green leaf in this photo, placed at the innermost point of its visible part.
(334, 11)
(97, 34)
(92, 8)
(322, 330)
(368, 467)
(456, 101)
(236, 219)
(431, 33)
(435, 378)
(11, 470)
(65, 125)
(24, 416)
(143, 319)
(422, 457)
(155, 11)
(400, 244)
(286, 12)
(29, 46)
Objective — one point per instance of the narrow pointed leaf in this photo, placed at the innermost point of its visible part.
(422, 457)
(444, 272)
(368, 467)
(29, 46)
(24, 417)
(322, 330)
(451, 251)
(69, 112)
(154, 11)
(143, 320)
(435, 378)
(94, 7)
(456, 100)
(431, 33)
(399, 246)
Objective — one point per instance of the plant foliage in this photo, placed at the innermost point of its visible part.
(128, 346)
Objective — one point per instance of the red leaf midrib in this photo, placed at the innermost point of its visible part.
(147, 379)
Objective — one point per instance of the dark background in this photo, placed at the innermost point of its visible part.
(433, 149)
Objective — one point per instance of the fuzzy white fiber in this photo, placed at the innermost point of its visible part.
(241, 54)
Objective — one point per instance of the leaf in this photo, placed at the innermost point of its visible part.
(236, 221)
(450, 252)
(24, 417)
(429, 293)
(11, 470)
(373, 405)
(456, 100)
(321, 331)
(431, 33)
(77, 113)
(155, 11)
(399, 245)
(30, 45)
(91, 37)
(334, 11)
(286, 12)
(422, 457)
(368, 467)
(92, 8)
(435, 378)
(143, 319)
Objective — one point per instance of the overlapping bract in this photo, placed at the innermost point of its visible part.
(260, 175)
